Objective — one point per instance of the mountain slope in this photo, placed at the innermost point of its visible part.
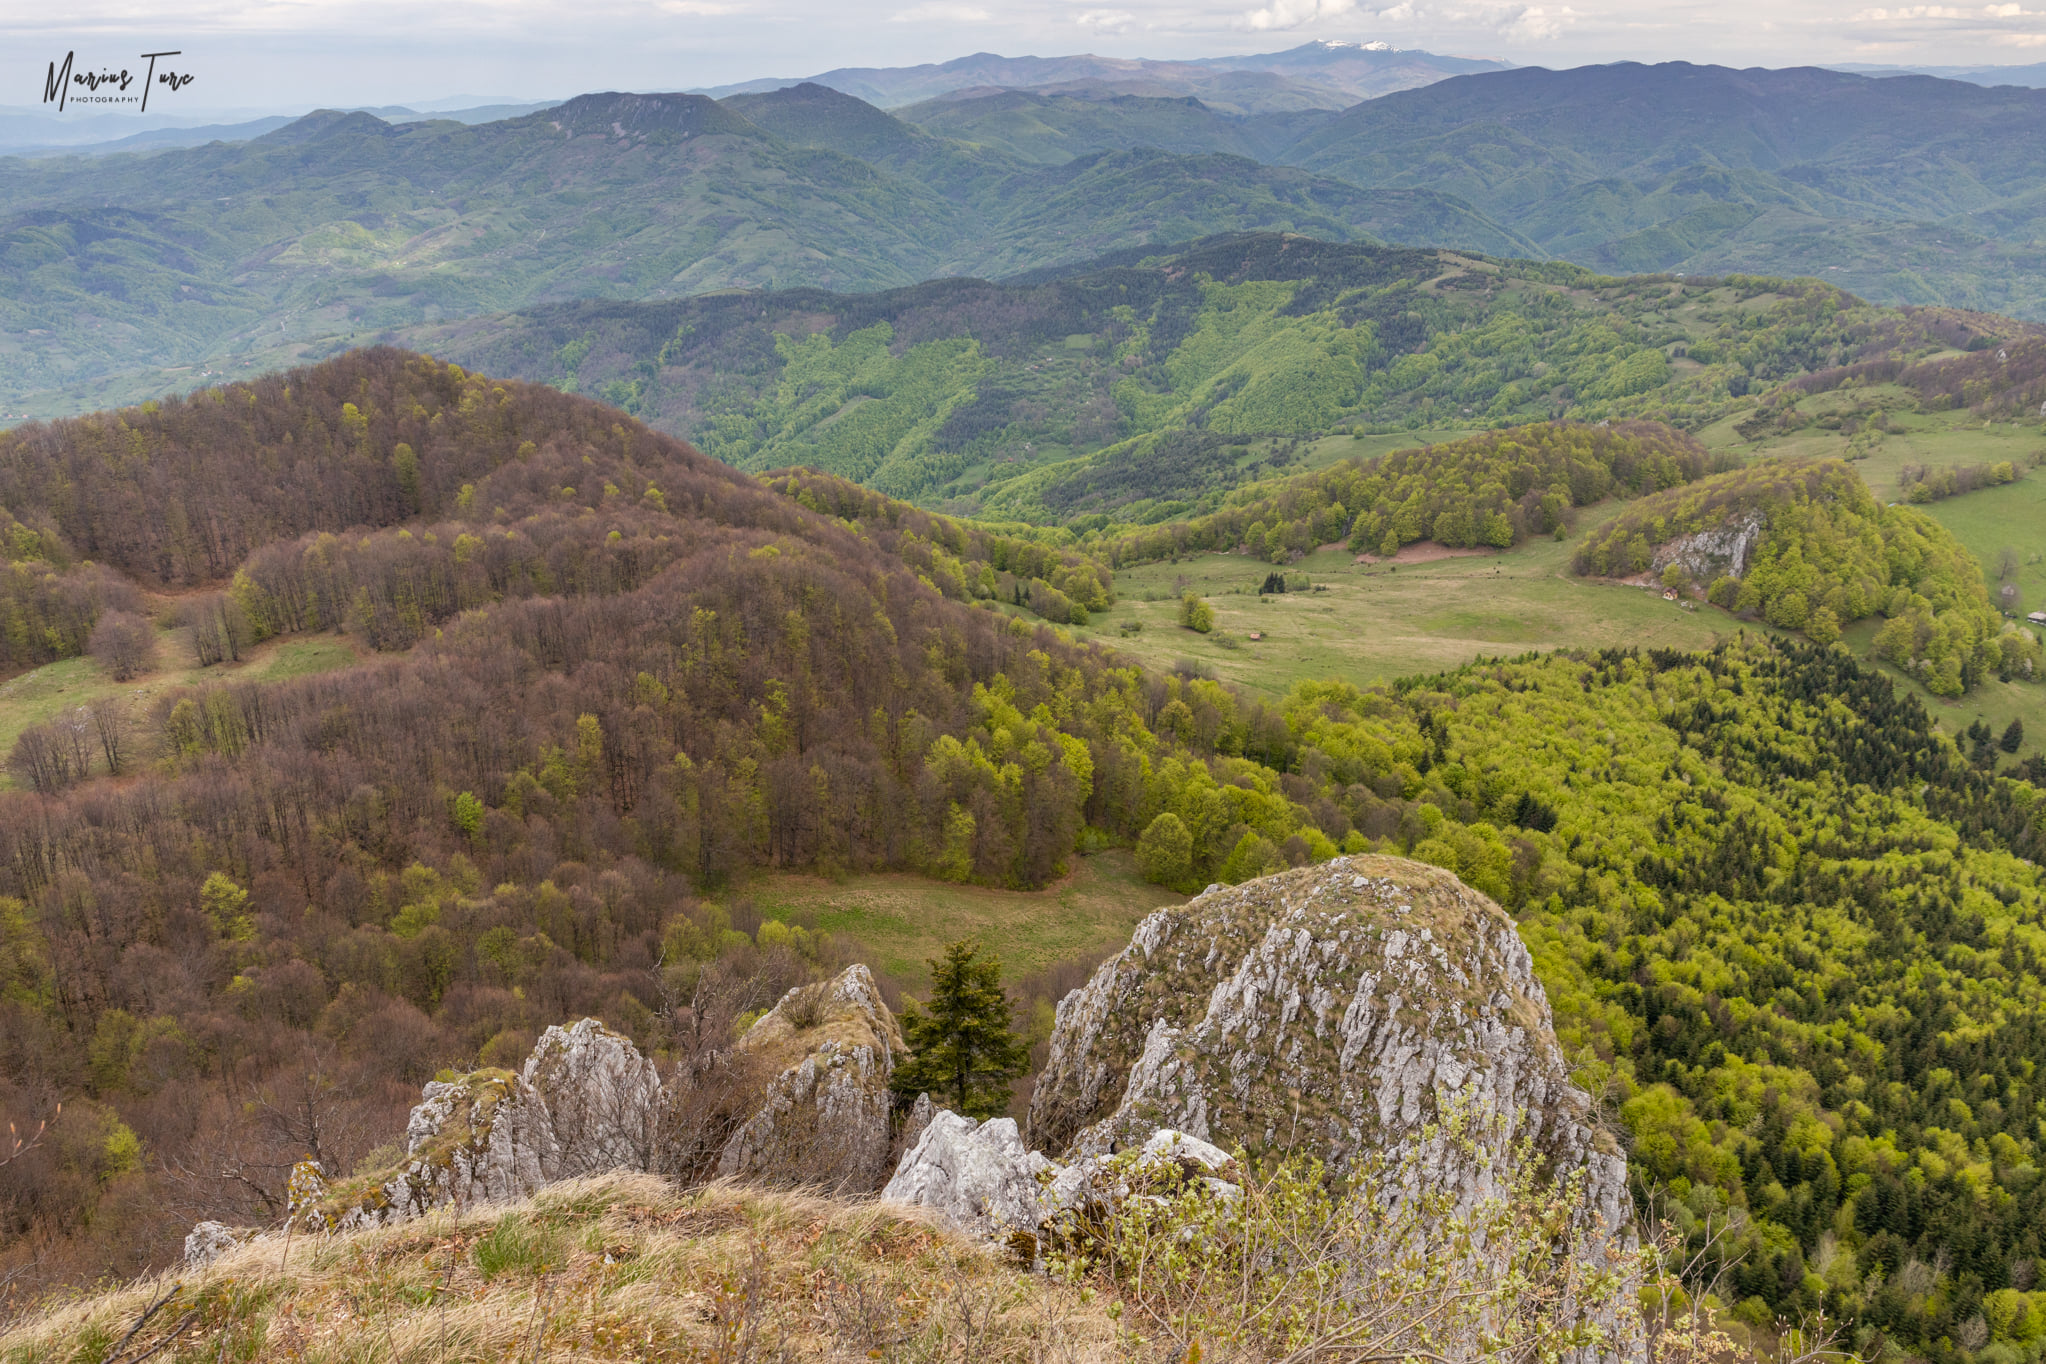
(340, 225)
(1152, 380)
(1587, 161)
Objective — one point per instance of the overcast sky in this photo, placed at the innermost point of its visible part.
(290, 54)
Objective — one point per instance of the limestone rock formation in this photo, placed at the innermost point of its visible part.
(585, 1102)
(208, 1241)
(1341, 1008)
(831, 1049)
(979, 1175)
(1716, 551)
(601, 1095)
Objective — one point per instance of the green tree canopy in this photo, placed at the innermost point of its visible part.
(963, 1051)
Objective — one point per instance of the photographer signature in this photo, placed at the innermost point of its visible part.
(57, 85)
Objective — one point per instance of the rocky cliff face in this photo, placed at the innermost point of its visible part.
(1722, 550)
(1340, 1009)
(831, 1049)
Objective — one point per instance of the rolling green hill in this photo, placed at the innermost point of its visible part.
(1147, 386)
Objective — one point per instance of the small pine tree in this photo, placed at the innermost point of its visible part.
(962, 1049)
(2013, 737)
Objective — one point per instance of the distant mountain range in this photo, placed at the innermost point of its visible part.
(1318, 75)
(341, 226)
(2033, 75)
(33, 133)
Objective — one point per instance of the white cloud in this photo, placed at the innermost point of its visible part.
(1106, 20)
(1537, 24)
(1882, 16)
(1283, 14)
(939, 13)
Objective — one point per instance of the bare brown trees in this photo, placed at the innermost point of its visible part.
(124, 644)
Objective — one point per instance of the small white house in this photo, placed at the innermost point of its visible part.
(2037, 618)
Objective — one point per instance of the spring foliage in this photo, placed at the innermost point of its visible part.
(1827, 555)
(1493, 489)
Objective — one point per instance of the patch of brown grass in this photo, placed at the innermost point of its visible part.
(629, 1267)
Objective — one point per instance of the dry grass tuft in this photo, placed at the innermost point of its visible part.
(620, 1267)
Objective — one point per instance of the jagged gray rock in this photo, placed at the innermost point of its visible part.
(585, 1102)
(1721, 550)
(832, 1048)
(1342, 1009)
(208, 1241)
(601, 1095)
(979, 1175)
(920, 1114)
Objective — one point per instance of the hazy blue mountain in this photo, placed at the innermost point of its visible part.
(1052, 128)
(1326, 75)
(2032, 75)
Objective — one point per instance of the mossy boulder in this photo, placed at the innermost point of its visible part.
(585, 1102)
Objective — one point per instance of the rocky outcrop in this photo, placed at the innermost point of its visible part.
(602, 1098)
(1352, 1010)
(979, 1175)
(1342, 1009)
(831, 1049)
(585, 1102)
(1717, 551)
(208, 1241)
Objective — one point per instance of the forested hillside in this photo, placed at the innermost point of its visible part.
(1493, 490)
(1147, 387)
(1820, 553)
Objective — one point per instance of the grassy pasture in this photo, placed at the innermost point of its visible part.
(898, 921)
(34, 697)
(1375, 623)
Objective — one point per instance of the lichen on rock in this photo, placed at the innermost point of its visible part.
(585, 1102)
(831, 1048)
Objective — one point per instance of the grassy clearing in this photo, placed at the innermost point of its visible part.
(899, 921)
(1375, 623)
(1327, 450)
(1934, 439)
(629, 1268)
(34, 697)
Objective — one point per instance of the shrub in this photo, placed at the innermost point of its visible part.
(1196, 614)
(1382, 1263)
(124, 644)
